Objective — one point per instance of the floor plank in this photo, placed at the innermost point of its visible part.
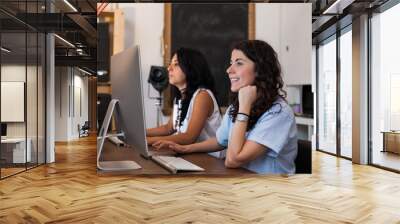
(70, 191)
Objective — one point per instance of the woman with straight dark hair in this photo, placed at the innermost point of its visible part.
(258, 128)
(196, 115)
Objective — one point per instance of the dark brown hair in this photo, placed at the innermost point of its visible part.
(268, 79)
(198, 75)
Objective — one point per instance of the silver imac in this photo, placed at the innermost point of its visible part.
(126, 84)
(127, 107)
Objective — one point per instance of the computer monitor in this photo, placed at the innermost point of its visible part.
(126, 84)
(3, 129)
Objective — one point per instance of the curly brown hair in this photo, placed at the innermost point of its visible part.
(268, 79)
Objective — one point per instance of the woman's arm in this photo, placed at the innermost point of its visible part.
(209, 145)
(239, 150)
(202, 109)
(162, 130)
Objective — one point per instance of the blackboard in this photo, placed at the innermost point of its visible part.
(211, 29)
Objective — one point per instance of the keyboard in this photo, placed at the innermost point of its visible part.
(176, 164)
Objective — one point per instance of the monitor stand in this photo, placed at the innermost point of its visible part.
(111, 165)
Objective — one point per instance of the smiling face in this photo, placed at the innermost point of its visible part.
(241, 71)
(176, 76)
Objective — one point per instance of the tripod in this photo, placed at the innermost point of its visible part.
(159, 112)
(158, 105)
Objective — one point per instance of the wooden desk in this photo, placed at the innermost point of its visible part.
(14, 150)
(391, 141)
(212, 165)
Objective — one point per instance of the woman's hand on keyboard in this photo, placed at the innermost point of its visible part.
(180, 148)
(169, 145)
(161, 145)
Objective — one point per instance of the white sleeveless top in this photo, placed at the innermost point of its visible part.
(212, 122)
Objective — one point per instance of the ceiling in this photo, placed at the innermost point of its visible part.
(78, 25)
(331, 15)
(22, 20)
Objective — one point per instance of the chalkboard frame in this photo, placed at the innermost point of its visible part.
(167, 106)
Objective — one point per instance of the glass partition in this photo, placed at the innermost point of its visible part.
(22, 89)
(41, 96)
(13, 108)
(385, 89)
(327, 96)
(346, 93)
(31, 99)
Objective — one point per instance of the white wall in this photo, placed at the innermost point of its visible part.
(68, 81)
(287, 28)
(80, 109)
(269, 29)
(33, 126)
(61, 103)
(17, 73)
(83, 82)
(144, 24)
(13, 72)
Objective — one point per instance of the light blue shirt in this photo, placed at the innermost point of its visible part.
(276, 130)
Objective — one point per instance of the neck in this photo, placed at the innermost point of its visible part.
(182, 90)
(180, 86)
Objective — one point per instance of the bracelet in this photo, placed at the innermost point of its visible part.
(244, 114)
(242, 117)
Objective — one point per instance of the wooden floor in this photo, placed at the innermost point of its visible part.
(8, 171)
(70, 191)
(5, 172)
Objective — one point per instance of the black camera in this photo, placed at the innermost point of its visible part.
(158, 78)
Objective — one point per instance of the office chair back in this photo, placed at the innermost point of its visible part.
(303, 159)
(86, 125)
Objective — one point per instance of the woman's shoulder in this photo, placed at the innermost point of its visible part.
(279, 108)
(202, 98)
(204, 91)
(203, 94)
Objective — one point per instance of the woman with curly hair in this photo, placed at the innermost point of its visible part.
(192, 87)
(258, 129)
